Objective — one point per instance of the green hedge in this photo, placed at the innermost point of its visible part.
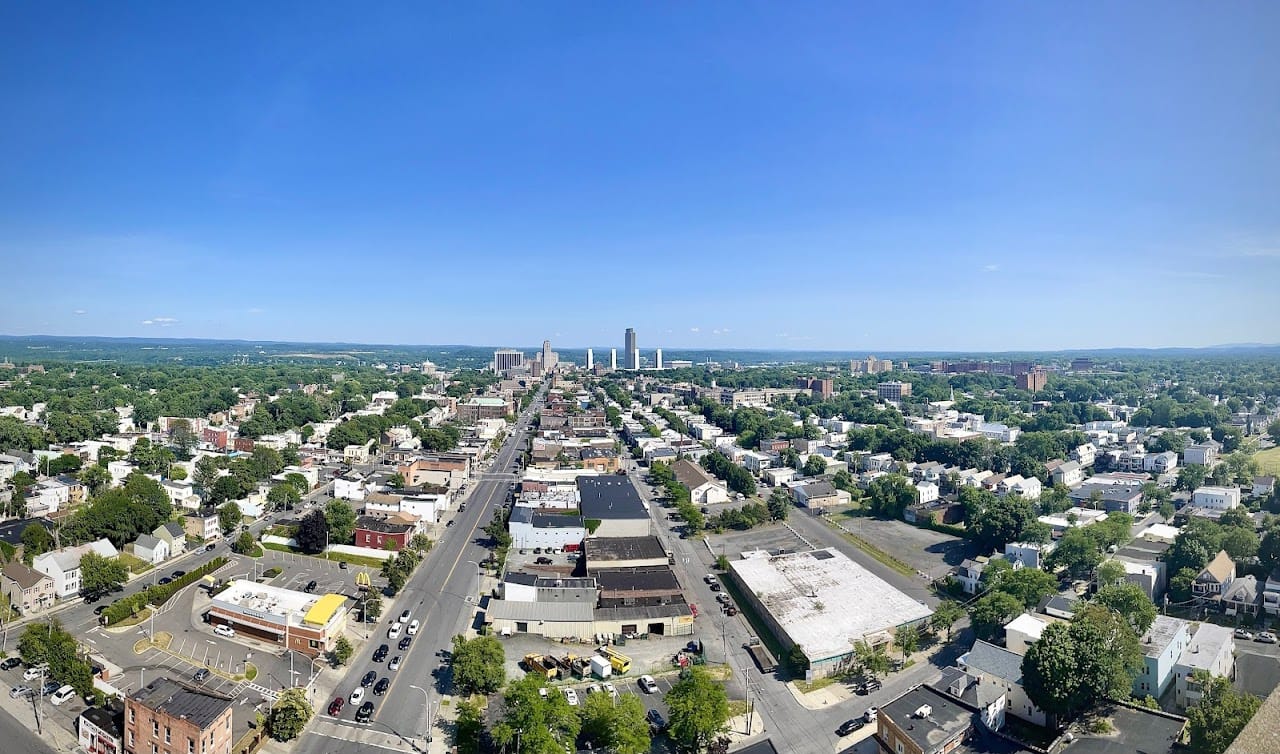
(159, 594)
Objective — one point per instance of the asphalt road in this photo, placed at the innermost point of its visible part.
(18, 739)
(441, 595)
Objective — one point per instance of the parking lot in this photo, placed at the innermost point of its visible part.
(925, 550)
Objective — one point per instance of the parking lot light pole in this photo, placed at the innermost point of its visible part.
(426, 702)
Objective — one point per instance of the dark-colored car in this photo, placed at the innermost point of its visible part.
(209, 547)
(381, 688)
(311, 586)
(405, 642)
(49, 688)
(100, 609)
(178, 574)
(91, 598)
(367, 680)
(364, 713)
(380, 653)
(335, 707)
(342, 564)
(200, 675)
(165, 580)
(544, 560)
(849, 726)
(655, 720)
(866, 687)
(10, 663)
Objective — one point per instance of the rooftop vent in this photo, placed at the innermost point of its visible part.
(923, 711)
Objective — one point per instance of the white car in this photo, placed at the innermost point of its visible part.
(31, 674)
(223, 629)
(404, 617)
(571, 697)
(63, 694)
(613, 692)
(647, 684)
(394, 631)
(413, 628)
(357, 695)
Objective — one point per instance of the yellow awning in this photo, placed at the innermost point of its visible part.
(323, 610)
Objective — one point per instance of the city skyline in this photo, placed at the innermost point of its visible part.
(873, 179)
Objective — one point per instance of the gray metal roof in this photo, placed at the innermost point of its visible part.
(574, 612)
(993, 660)
(610, 497)
(171, 697)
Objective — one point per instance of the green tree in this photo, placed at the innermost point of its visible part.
(341, 518)
(99, 575)
(779, 504)
(1074, 666)
(1129, 601)
(989, 613)
(698, 709)
(372, 607)
(543, 725)
(890, 495)
(299, 482)
(36, 540)
(342, 651)
(283, 496)
(289, 715)
(478, 664)
(469, 727)
(229, 517)
(1180, 584)
(815, 465)
(907, 639)
(95, 479)
(313, 533)
(421, 543)
(1002, 521)
(1110, 572)
(206, 474)
(618, 727)
(1220, 716)
(945, 616)
(1077, 551)
(224, 488)
(871, 661)
(1191, 477)
(244, 544)
(50, 643)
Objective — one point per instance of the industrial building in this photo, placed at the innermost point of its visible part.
(823, 602)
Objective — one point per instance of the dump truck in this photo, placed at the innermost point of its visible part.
(545, 666)
(620, 662)
(761, 655)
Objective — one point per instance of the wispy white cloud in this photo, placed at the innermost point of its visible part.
(695, 329)
(990, 267)
(255, 310)
(160, 321)
(80, 311)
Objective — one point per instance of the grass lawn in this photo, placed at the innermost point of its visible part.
(1268, 461)
(135, 565)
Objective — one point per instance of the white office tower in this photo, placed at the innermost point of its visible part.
(633, 359)
(613, 359)
(591, 360)
(657, 358)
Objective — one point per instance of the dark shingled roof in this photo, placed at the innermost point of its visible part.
(652, 578)
(176, 700)
(623, 548)
(609, 497)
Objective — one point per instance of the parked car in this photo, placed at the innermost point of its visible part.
(165, 580)
(571, 697)
(1266, 637)
(178, 574)
(64, 694)
(209, 547)
(364, 713)
(32, 673)
(866, 687)
(594, 689)
(655, 720)
(49, 688)
(609, 687)
(849, 726)
(335, 707)
(871, 714)
(342, 564)
(357, 695)
(394, 664)
(18, 691)
(310, 587)
(544, 560)
(100, 609)
(647, 684)
(223, 629)
(200, 675)
(1243, 634)
(368, 678)
(10, 663)
(381, 688)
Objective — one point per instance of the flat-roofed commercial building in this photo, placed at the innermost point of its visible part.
(167, 717)
(306, 623)
(823, 602)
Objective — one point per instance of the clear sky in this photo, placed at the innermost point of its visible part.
(976, 175)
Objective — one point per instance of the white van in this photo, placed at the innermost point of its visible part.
(394, 631)
(62, 695)
(223, 629)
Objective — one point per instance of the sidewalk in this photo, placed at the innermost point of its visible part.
(55, 730)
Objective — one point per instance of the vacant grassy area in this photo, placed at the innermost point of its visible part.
(1268, 460)
(135, 565)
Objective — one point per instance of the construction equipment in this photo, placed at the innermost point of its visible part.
(620, 662)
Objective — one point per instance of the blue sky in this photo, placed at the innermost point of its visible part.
(760, 175)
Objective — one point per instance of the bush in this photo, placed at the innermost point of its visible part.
(127, 607)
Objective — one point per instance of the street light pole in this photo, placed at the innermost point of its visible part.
(426, 702)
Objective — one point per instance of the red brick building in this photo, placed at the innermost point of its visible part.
(377, 531)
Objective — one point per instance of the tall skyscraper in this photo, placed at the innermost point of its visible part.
(657, 358)
(591, 360)
(548, 357)
(629, 346)
(613, 359)
(507, 358)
